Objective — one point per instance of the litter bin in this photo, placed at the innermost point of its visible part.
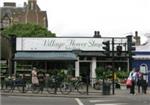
(106, 89)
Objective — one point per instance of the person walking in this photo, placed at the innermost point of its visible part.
(35, 80)
(139, 81)
(133, 77)
(41, 77)
(144, 85)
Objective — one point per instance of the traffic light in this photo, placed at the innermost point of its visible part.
(131, 46)
(106, 48)
(119, 50)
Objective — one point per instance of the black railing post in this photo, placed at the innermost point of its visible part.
(23, 83)
(87, 84)
(113, 71)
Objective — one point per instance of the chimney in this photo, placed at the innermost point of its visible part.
(25, 4)
(97, 34)
(137, 39)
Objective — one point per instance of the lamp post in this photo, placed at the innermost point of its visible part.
(13, 51)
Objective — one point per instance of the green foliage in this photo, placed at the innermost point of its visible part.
(122, 74)
(102, 73)
(99, 72)
(62, 74)
(71, 70)
(27, 30)
(105, 73)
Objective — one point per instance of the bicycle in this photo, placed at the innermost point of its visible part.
(53, 83)
(74, 84)
(34, 88)
(12, 84)
(50, 86)
(21, 84)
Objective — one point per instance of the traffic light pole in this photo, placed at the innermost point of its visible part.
(131, 49)
(113, 70)
(107, 53)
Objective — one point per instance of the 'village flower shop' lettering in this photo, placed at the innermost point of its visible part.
(72, 44)
(54, 43)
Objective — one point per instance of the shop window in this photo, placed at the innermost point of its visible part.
(3, 67)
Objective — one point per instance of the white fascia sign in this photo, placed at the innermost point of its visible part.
(62, 44)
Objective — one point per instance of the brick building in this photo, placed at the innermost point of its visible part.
(11, 14)
(29, 13)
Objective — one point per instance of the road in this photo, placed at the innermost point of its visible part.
(117, 100)
(103, 100)
(19, 100)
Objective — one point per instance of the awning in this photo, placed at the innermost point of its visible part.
(142, 57)
(45, 56)
(91, 54)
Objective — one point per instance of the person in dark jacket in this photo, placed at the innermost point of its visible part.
(139, 80)
(41, 78)
(144, 85)
(133, 77)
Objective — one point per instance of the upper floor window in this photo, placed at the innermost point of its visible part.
(5, 21)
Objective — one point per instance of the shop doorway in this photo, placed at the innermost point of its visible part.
(85, 71)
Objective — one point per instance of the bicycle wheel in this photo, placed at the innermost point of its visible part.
(51, 88)
(21, 86)
(35, 88)
(8, 86)
(65, 88)
(81, 87)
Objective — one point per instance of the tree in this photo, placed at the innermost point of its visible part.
(27, 30)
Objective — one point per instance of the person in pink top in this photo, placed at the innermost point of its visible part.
(35, 80)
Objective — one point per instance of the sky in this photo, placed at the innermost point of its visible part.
(113, 18)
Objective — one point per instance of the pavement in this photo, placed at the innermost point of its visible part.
(92, 93)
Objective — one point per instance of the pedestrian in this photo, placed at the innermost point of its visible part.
(35, 80)
(144, 85)
(133, 77)
(139, 80)
(41, 77)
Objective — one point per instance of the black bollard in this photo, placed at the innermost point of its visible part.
(87, 85)
(23, 83)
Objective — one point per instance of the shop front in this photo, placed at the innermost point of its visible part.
(142, 62)
(81, 55)
(142, 59)
(43, 61)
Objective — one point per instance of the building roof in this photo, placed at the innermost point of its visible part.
(144, 47)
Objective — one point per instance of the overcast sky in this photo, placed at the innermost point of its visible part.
(83, 17)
